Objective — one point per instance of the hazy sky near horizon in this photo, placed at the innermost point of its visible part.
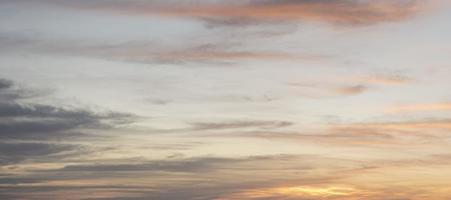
(225, 99)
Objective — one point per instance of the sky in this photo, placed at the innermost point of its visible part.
(225, 99)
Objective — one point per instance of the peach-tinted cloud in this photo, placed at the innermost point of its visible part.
(228, 56)
(378, 79)
(191, 55)
(332, 86)
(402, 134)
(387, 80)
(150, 52)
(328, 89)
(345, 12)
(351, 90)
(420, 107)
(440, 124)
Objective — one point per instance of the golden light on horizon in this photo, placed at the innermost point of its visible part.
(319, 191)
(297, 192)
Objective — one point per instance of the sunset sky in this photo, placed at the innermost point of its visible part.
(225, 99)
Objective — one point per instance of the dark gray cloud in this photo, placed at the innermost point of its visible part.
(11, 153)
(190, 165)
(33, 132)
(199, 164)
(10, 93)
(43, 121)
(37, 121)
(70, 192)
(4, 84)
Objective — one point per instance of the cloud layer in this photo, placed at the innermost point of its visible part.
(339, 12)
(225, 100)
(31, 131)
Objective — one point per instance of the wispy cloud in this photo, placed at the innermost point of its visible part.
(42, 125)
(172, 179)
(292, 177)
(387, 79)
(240, 125)
(432, 124)
(11, 153)
(392, 134)
(327, 90)
(147, 52)
(419, 107)
(223, 126)
(226, 56)
(192, 165)
(351, 90)
(332, 86)
(339, 12)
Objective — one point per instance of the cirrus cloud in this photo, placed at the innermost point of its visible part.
(338, 12)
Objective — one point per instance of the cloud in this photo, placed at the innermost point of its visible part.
(72, 193)
(209, 177)
(44, 121)
(333, 86)
(224, 56)
(194, 165)
(225, 126)
(5, 84)
(238, 13)
(298, 193)
(189, 165)
(328, 89)
(174, 146)
(20, 120)
(414, 125)
(39, 133)
(11, 153)
(352, 90)
(392, 134)
(338, 137)
(387, 80)
(10, 92)
(425, 107)
(206, 177)
(215, 52)
(240, 125)
(41, 136)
